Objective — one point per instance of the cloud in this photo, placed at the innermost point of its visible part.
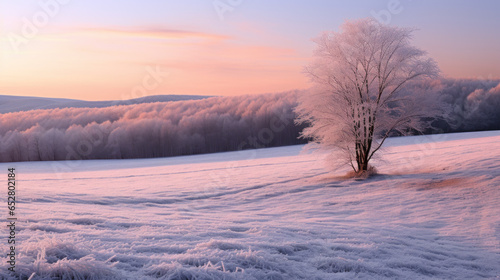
(91, 63)
(148, 32)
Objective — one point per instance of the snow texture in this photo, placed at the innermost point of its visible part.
(265, 214)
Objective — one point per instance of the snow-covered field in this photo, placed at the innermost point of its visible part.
(265, 214)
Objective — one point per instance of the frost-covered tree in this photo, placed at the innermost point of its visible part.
(360, 93)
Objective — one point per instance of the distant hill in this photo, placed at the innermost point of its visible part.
(10, 103)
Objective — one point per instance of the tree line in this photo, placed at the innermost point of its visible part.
(159, 129)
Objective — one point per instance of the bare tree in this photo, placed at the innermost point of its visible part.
(359, 97)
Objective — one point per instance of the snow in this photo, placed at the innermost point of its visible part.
(265, 214)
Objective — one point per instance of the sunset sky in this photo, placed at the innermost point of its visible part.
(107, 50)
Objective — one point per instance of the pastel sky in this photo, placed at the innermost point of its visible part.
(107, 50)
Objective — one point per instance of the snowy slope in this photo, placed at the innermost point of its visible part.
(10, 103)
(266, 214)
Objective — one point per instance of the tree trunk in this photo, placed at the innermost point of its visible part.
(363, 156)
(364, 126)
(362, 165)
